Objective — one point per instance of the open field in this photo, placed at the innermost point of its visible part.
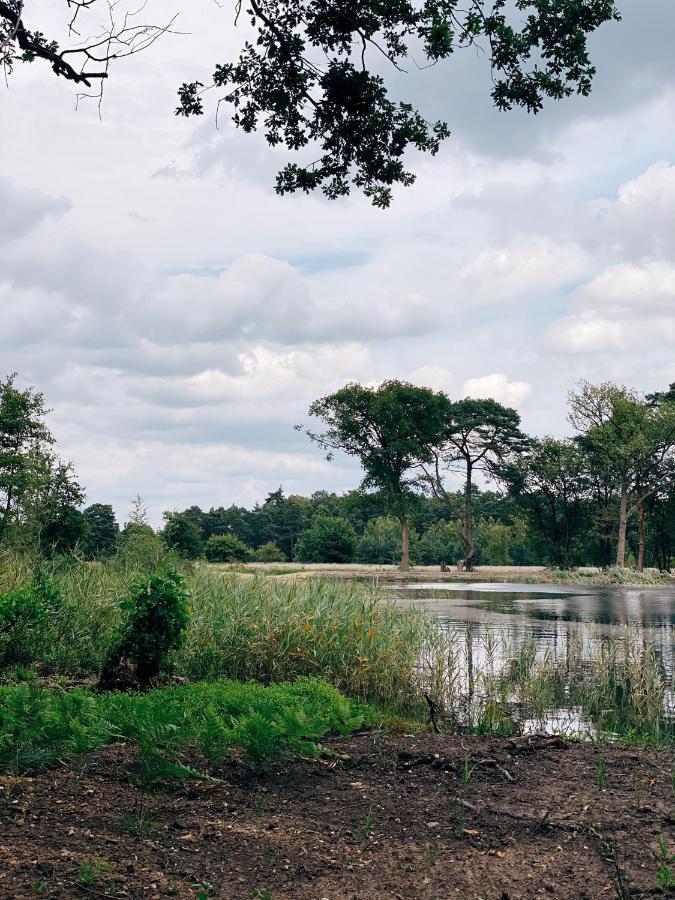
(508, 574)
(385, 817)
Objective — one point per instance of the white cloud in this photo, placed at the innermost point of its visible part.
(436, 377)
(180, 325)
(22, 209)
(498, 387)
(651, 284)
(586, 333)
(524, 267)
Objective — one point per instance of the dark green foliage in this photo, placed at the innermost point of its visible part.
(225, 548)
(554, 486)
(24, 439)
(58, 523)
(478, 436)
(39, 494)
(329, 540)
(101, 531)
(441, 543)
(182, 535)
(23, 615)
(380, 542)
(391, 430)
(311, 77)
(268, 552)
(39, 726)
(158, 615)
(140, 547)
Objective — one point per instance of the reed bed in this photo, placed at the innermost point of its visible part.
(597, 686)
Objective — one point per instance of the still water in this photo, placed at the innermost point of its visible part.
(511, 616)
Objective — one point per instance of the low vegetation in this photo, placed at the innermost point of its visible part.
(38, 726)
(614, 575)
(66, 619)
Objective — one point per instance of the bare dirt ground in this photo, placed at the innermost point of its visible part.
(385, 816)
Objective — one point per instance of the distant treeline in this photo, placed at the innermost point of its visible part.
(603, 495)
(510, 529)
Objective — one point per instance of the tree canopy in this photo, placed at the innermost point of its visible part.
(628, 438)
(390, 430)
(311, 77)
(478, 435)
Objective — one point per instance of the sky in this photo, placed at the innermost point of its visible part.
(179, 316)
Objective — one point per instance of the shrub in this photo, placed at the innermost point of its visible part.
(158, 616)
(23, 616)
(329, 540)
(381, 542)
(268, 552)
(140, 547)
(225, 548)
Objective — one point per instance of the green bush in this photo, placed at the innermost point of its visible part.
(225, 548)
(268, 552)
(140, 547)
(158, 616)
(23, 616)
(329, 540)
(380, 542)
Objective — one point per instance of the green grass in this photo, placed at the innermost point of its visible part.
(615, 575)
(39, 726)
(242, 629)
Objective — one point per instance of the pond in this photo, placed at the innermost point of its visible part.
(494, 623)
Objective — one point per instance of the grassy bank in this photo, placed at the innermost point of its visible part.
(242, 629)
(266, 630)
(625, 577)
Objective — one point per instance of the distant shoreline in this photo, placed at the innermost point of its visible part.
(481, 575)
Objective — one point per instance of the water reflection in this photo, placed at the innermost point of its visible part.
(545, 614)
(493, 623)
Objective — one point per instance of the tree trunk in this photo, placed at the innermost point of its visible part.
(623, 522)
(405, 546)
(467, 524)
(641, 538)
(8, 506)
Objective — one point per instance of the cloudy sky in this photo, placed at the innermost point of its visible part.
(179, 316)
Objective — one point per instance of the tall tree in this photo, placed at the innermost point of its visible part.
(24, 443)
(182, 535)
(102, 531)
(632, 441)
(552, 482)
(53, 508)
(311, 76)
(390, 430)
(479, 436)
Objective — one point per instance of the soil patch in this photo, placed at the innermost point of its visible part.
(384, 816)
